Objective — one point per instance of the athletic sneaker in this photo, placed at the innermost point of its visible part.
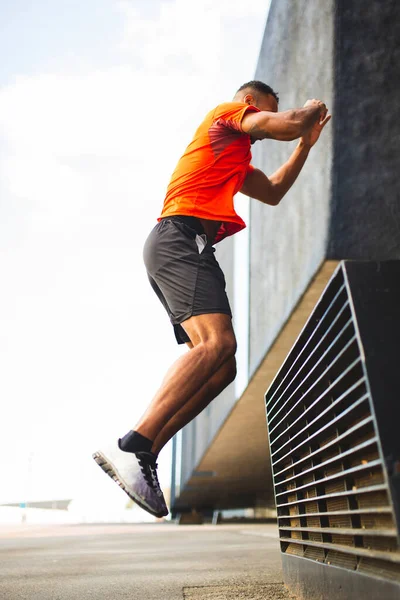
(136, 474)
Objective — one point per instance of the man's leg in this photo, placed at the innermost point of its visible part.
(210, 390)
(214, 345)
(184, 280)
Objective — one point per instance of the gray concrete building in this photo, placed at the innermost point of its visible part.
(345, 205)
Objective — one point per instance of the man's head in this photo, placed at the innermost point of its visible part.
(258, 94)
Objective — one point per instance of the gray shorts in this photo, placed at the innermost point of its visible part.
(185, 275)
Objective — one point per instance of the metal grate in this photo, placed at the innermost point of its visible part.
(331, 489)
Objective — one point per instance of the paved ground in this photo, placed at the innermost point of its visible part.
(141, 562)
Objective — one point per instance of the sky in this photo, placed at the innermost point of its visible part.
(98, 100)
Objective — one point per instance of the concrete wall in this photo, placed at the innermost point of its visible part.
(346, 202)
(288, 242)
(365, 221)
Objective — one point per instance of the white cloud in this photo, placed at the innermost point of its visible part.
(207, 38)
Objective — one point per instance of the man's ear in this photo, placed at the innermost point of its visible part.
(248, 99)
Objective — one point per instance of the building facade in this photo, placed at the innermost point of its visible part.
(345, 205)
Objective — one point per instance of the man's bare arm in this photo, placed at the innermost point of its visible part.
(284, 126)
(271, 190)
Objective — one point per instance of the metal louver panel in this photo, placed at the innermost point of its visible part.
(335, 487)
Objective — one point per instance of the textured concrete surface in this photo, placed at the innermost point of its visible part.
(365, 222)
(141, 562)
(288, 242)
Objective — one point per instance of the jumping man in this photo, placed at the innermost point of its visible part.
(179, 256)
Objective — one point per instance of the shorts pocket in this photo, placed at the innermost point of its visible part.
(185, 229)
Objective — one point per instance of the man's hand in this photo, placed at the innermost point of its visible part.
(310, 137)
(315, 102)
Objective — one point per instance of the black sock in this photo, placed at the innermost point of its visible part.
(135, 442)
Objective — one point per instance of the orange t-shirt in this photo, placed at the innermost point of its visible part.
(212, 170)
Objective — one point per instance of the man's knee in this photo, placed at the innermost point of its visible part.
(231, 370)
(223, 347)
(229, 345)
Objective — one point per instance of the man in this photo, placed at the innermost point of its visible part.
(179, 256)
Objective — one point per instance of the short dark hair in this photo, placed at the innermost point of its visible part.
(259, 86)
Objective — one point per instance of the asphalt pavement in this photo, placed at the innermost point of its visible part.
(160, 561)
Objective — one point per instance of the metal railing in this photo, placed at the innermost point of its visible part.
(332, 492)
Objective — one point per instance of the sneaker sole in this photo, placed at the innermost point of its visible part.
(111, 471)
